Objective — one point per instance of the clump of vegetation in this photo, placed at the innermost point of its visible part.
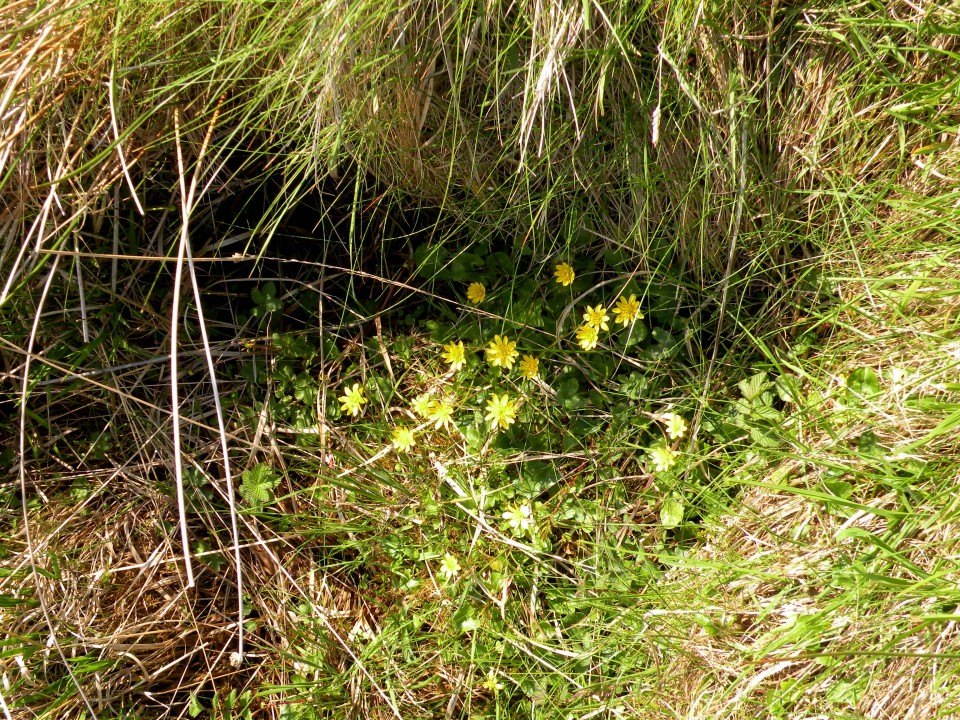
(579, 360)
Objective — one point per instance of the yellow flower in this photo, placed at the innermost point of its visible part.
(565, 274)
(676, 425)
(449, 567)
(353, 400)
(476, 292)
(587, 336)
(423, 405)
(502, 352)
(441, 414)
(519, 518)
(501, 411)
(455, 355)
(491, 683)
(663, 458)
(529, 367)
(596, 317)
(627, 310)
(403, 439)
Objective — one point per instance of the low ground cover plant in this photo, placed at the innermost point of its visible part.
(565, 360)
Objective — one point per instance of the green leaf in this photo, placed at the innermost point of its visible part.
(529, 311)
(616, 257)
(499, 264)
(10, 601)
(305, 389)
(761, 411)
(291, 345)
(474, 436)
(568, 397)
(862, 383)
(464, 619)
(845, 692)
(429, 260)
(803, 344)
(665, 345)
(463, 266)
(258, 484)
(253, 370)
(671, 512)
(194, 707)
(265, 299)
(841, 488)
(752, 387)
(538, 476)
(788, 389)
(868, 444)
(765, 438)
(633, 334)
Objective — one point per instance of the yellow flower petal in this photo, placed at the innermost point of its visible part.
(501, 411)
(441, 415)
(596, 317)
(529, 367)
(455, 354)
(353, 400)
(476, 292)
(663, 458)
(502, 352)
(403, 439)
(565, 274)
(627, 310)
(676, 425)
(588, 336)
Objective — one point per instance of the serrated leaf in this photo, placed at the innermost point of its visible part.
(788, 389)
(761, 411)
(258, 484)
(739, 411)
(753, 386)
(764, 438)
(290, 345)
(803, 344)
(305, 390)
